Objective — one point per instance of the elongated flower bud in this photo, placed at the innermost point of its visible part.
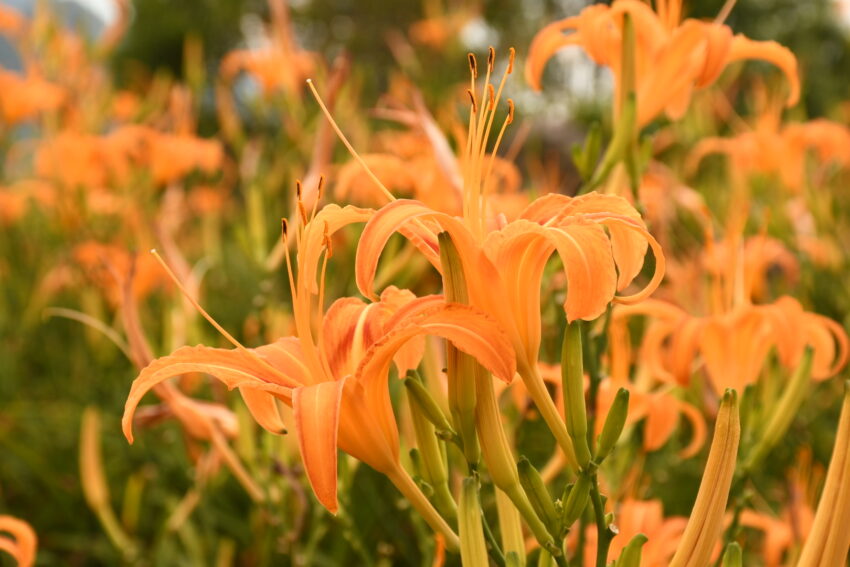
(432, 462)
(422, 402)
(572, 375)
(829, 538)
(613, 427)
(538, 495)
(576, 501)
(459, 365)
(473, 551)
(630, 556)
(706, 521)
(733, 557)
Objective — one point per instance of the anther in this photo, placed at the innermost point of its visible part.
(510, 111)
(472, 100)
(491, 93)
(473, 65)
(298, 189)
(320, 189)
(511, 60)
(302, 211)
(491, 58)
(284, 227)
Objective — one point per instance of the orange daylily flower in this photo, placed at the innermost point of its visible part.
(335, 378)
(672, 57)
(504, 267)
(22, 545)
(774, 148)
(22, 98)
(282, 65)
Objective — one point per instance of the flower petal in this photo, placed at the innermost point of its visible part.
(236, 368)
(316, 410)
(745, 48)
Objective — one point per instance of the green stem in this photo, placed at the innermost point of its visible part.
(605, 534)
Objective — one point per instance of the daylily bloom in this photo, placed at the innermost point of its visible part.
(774, 148)
(504, 267)
(646, 517)
(279, 66)
(22, 545)
(22, 98)
(335, 377)
(672, 57)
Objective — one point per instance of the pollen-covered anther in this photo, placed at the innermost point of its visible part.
(511, 57)
(473, 65)
(284, 228)
(321, 188)
(510, 117)
(491, 58)
(298, 189)
(472, 100)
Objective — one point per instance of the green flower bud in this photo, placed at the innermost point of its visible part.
(576, 501)
(613, 427)
(473, 550)
(733, 557)
(572, 375)
(538, 494)
(630, 556)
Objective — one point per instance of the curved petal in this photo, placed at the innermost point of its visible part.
(23, 547)
(398, 216)
(236, 368)
(700, 431)
(468, 329)
(316, 411)
(264, 409)
(545, 44)
(770, 51)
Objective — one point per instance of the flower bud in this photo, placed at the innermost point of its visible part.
(473, 550)
(576, 501)
(572, 375)
(538, 495)
(733, 556)
(422, 402)
(706, 521)
(613, 427)
(630, 556)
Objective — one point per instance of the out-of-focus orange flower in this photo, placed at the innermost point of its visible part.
(101, 261)
(672, 57)
(22, 98)
(22, 545)
(773, 148)
(733, 345)
(645, 517)
(279, 66)
(442, 24)
(172, 156)
(11, 21)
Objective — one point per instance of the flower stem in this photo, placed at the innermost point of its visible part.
(417, 499)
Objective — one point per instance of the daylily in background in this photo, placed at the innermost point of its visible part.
(673, 57)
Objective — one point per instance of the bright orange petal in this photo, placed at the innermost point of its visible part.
(23, 547)
(264, 409)
(316, 410)
(235, 368)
